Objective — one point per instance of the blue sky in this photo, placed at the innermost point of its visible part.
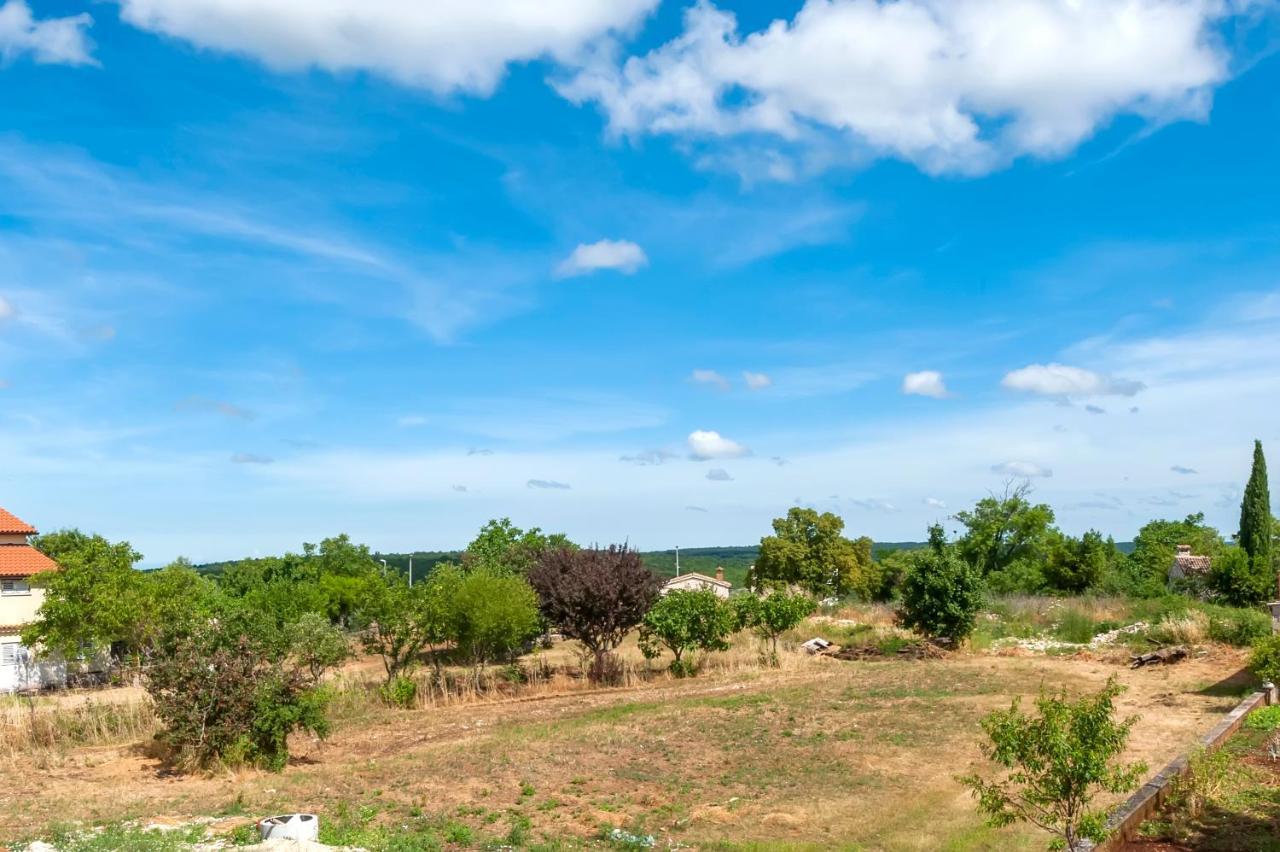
(631, 269)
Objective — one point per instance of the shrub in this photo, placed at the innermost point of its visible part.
(492, 615)
(223, 697)
(942, 593)
(1239, 580)
(1188, 628)
(1059, 759)
(1078, 627)
(1264, 661)
(399, 692)
(1239, 627)
(1265, 719)
(594, 596)
(683, 621)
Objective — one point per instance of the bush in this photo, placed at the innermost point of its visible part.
(400, 692)
(1238, 580)
(1239, 627)
(223, 697)
(1264, 661)
(493, 615)
(941, 594)
(317, 645)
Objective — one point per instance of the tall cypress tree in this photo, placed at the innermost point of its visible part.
(1255, 513)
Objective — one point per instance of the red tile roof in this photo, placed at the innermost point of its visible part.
(23, 560)
(11, 629)
(11, 524)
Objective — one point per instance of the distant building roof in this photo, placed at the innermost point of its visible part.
(1187, 564)
(11, 524)
(694, 575)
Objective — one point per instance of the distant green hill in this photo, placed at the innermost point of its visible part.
(703, 560)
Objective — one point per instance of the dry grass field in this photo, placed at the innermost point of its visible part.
(817, 754)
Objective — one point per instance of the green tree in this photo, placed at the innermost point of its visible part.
(1145, 573)
(1078, 564)
(1255, 517)
(686, 620)
(1007, 534)
(401, 621)
(317, 646)
(1264, 659)
(493, 615)
(809, 550)
(772, 615)
(941, 593)
(95, 600)
(1058, 760)
(1238, 580)
(502, 546)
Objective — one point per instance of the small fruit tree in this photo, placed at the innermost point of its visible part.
(1058, 760)
(683, 621)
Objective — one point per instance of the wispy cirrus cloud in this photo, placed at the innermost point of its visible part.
(1062, 381)
(548, 484)
(203, 405)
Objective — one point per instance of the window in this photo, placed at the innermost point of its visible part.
(14, 587)
(9, 654)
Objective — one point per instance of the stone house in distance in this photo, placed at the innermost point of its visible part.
(19, 603)
(695, 582)
(1188, 566)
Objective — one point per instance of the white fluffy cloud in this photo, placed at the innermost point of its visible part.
(1025, 469)
(52, 41)
(1059, 380)
(925, 383)
(756, 381)
(712, 445)
(934, 503)
(621, 255)
(951, 85)
(442, 45)
(709, 377)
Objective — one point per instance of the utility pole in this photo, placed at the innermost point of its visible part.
(411, 570)
(677, 560)
(384, 566)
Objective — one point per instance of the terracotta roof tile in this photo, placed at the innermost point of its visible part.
(11, 524)
(11, 629)
(23, 560)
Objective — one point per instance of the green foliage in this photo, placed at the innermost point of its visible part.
(1255, 517)
(95, 599)
(686, 620)
(1238, 627)
(891, 569)
(1002, 531)
(1076, 565)
(492, 615)
(224, 695)
(772, 615)
(501, 546)
(400, 620)
(942, 593)
(317, 645)
(1240, 580)
(1265, 719)
(1264, 660)
(1146, 571)
(808, 550)
(1058, 760)
(399, 692)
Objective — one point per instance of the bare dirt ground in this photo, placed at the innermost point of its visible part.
(824, 754)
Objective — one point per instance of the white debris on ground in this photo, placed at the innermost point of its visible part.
(1042, 644)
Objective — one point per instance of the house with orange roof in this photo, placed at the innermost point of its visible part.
(19, 604)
